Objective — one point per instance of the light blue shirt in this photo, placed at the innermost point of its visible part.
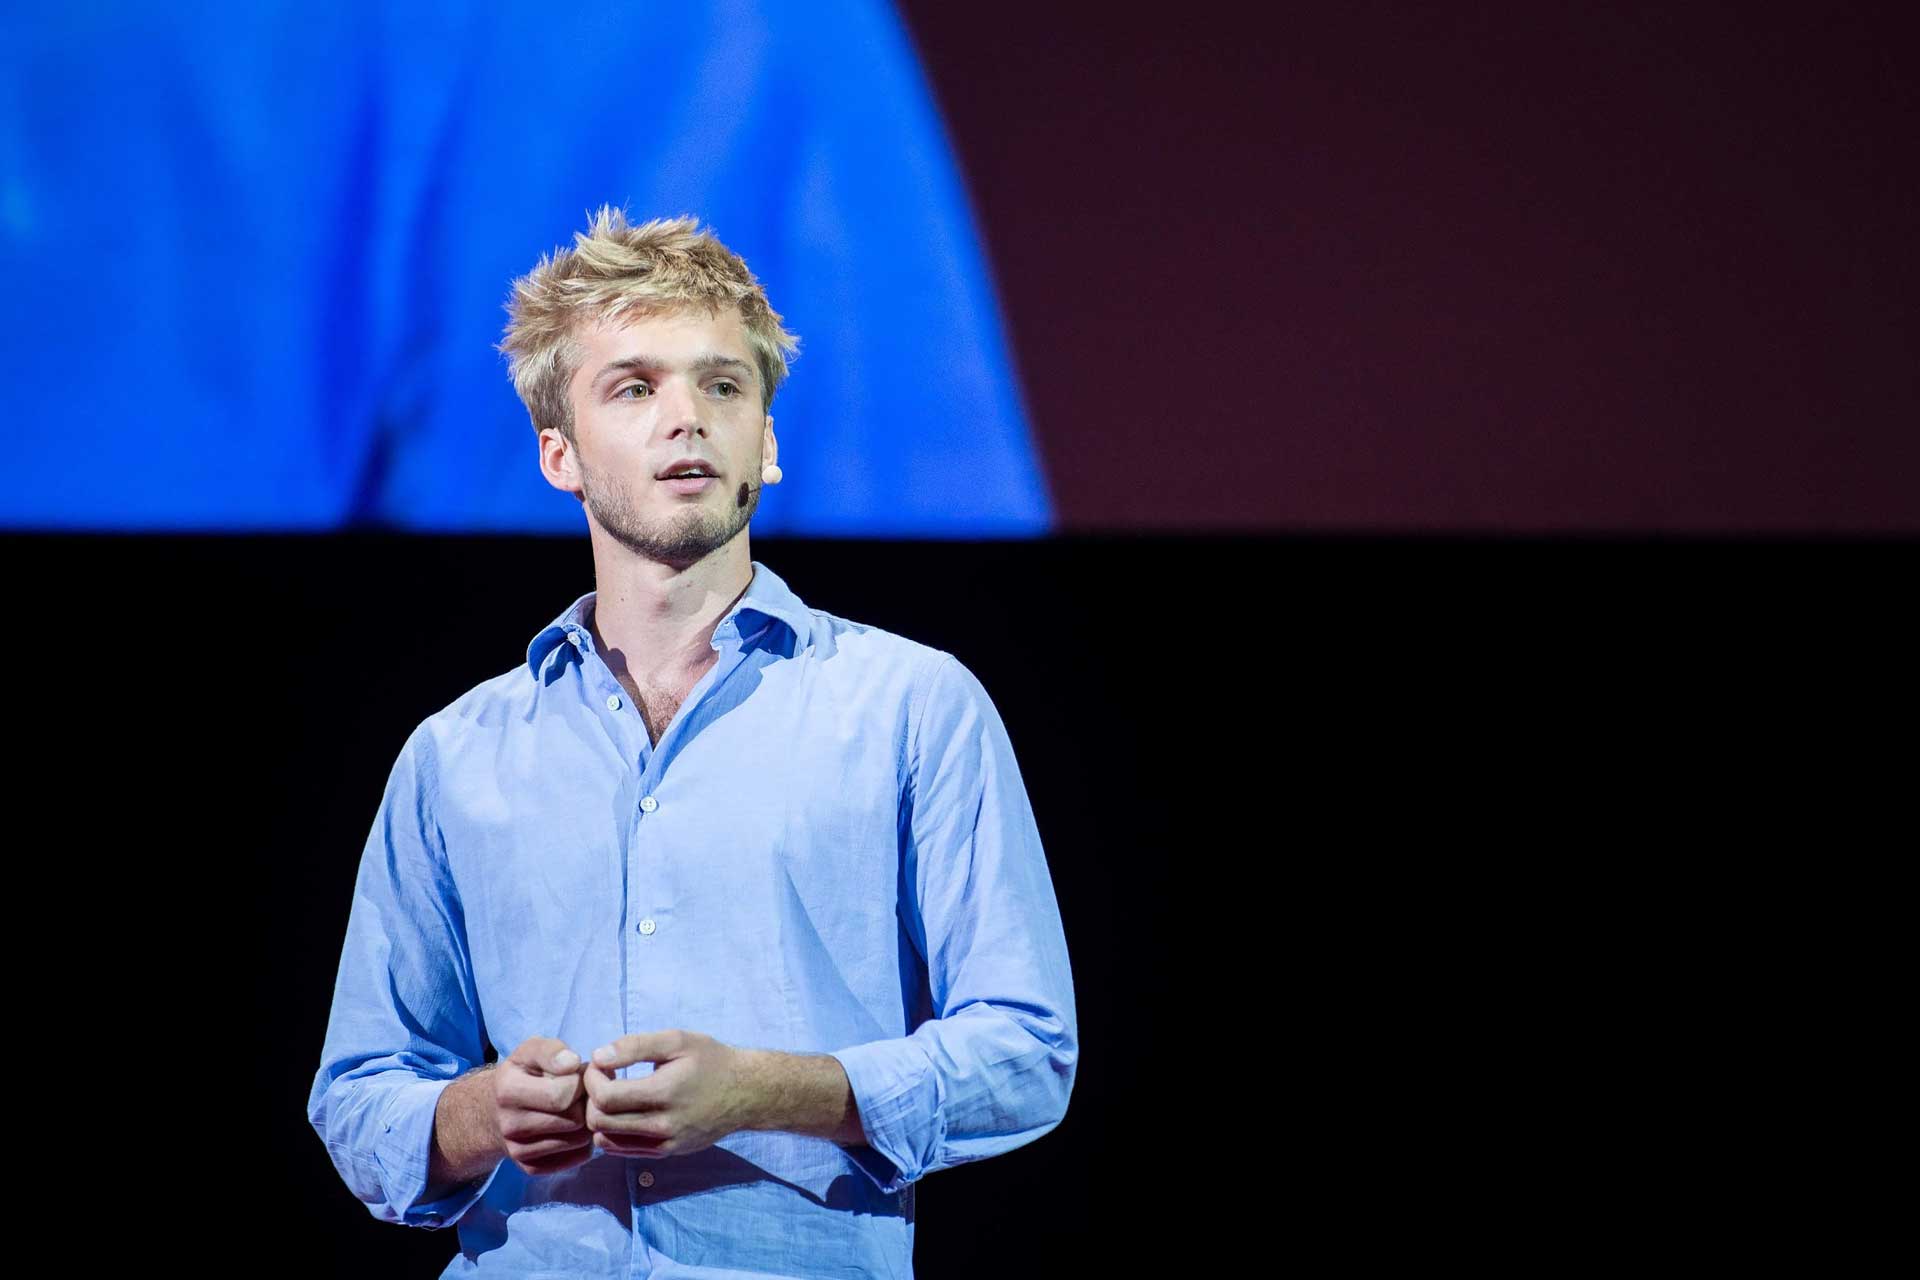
(830, 850)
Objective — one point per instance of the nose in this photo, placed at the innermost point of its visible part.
(684, 414)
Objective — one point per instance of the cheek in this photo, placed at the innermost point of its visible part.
(614, 449)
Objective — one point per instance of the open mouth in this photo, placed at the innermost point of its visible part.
(689, 484)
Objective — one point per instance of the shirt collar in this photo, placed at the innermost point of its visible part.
(767, 596)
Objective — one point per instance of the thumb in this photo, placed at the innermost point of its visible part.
(545, 1055)
(649, 1046)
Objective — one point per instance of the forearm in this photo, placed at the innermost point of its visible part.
(801, 1093)
(466, 1136)
(977, 1082)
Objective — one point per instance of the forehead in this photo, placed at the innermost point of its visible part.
(673, 337)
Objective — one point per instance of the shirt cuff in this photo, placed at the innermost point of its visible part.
(897, 1093)
(405, 1152)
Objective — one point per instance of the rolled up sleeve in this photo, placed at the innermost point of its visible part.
(994, 1068)
(405, 1019)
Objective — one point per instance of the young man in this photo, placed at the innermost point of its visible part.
(748, 899)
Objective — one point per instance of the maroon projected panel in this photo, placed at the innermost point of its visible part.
(1533, 268)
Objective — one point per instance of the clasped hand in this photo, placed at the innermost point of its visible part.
(551, 1107)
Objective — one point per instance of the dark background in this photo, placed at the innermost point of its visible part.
(1624, 267)
(1374, 850)
(1395, 873)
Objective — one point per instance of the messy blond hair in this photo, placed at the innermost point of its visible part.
(620, 272)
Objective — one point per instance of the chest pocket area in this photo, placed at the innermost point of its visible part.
(559, 867)
(839, 846)
(546, 892)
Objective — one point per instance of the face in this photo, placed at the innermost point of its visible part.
(668, 387)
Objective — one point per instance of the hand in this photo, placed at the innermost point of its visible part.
(700, 1091)
(540, 1106)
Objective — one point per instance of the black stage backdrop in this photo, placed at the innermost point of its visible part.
(1376, 858)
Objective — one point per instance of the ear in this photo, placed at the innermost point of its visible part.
(769, 447)
(557, 462)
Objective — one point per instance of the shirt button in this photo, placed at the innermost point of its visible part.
(646, 1177)
(613, 702)
(647, 927)
(648, 804)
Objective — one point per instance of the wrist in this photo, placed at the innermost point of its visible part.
(466, 1132)
(758, 1076)
(480, 1101)
(805, 1093)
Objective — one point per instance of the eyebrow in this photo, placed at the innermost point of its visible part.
(652, 364)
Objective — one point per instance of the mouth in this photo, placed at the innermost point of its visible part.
(690, 484)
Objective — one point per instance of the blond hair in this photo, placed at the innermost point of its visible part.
(617, 272)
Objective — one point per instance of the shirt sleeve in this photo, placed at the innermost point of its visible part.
(993, 1068)
(405, 1019)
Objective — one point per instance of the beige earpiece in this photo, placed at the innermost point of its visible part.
(771, 473)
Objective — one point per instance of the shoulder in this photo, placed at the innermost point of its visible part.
(485, 711)
(862, 646)
(929, 696)
(943, 701)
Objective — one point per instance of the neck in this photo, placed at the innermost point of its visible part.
(657, 619)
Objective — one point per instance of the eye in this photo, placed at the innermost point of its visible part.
(731, 389)
(632, 386)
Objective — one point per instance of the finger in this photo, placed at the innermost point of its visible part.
(646, 1046)
(556, 1164)
(545, 1055)
(624, 1145)
(555, 1094)
(608, 1094)
(649, 1122)
(527, 1126)
(545, 1147)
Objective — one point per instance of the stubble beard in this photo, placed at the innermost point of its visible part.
(680, 539)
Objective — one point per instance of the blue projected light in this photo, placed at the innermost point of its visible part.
(256, 258)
